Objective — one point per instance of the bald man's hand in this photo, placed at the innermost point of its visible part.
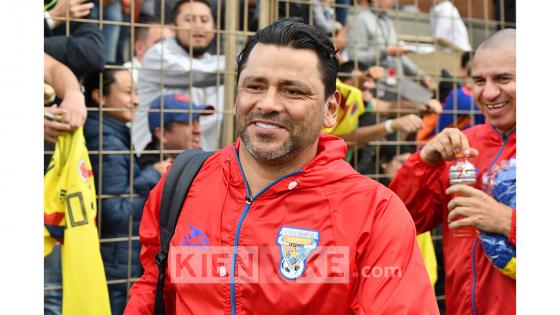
(445, 146)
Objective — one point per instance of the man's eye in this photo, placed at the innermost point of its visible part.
(478, 81)
(504, 79)
(294, 92)
(254, 87)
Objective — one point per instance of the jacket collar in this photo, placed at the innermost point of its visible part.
(327, 166)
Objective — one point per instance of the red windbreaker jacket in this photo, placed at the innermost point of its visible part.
(472, 284)
(326, 240)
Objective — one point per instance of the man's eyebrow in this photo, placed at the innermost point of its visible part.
(294, 83)
(258, 79)
(253, 79)
(494, 75)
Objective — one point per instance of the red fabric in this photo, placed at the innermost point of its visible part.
(422, 189)
(513, 233)
(346, 208)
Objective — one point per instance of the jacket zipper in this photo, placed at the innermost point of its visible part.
(248, 200)
(473, 251)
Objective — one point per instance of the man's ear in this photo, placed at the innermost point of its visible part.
(96, 96)
(160, 135)
(332, 109)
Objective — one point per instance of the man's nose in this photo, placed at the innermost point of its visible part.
(195, 127)
(490, 91)
(269, 102)
(135, 99)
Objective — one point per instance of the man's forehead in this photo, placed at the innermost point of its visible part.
(493, 61)
(195, 8)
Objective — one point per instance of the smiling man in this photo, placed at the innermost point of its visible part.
(183, 64)
(294, 229)
(480, 270)
(175, 130)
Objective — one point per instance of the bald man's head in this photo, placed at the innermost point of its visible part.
(503, 39)
(493, 75)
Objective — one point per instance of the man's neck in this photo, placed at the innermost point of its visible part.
(507, 133)
(197, 53)
(260, 175)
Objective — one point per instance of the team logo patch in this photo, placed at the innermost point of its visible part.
(295, 246)
(82, 170)
(195, 238)
(354, 108)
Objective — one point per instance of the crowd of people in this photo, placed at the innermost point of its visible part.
(328, 88)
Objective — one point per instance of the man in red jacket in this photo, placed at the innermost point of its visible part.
(278, 222)
(480, 270)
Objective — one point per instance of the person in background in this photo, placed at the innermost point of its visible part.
(117, 175)
(71, 113)
(82, 51)
(372, 39)
(59, 119)
(446, 23)
(180, 131)
(184, 65)
(144, 38)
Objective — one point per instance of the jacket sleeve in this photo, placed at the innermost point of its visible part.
(146, 180)
(513, 233)
(177, 69)
(392, 275)
(359, 47)
(82, 51)
(142, 293)
(116, 181)
(419, 185)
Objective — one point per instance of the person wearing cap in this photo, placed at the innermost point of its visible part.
(181, 127)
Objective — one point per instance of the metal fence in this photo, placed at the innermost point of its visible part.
(233, 23)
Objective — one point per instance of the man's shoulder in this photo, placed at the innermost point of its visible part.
(164, 49)
(357, 186)
(478, 131)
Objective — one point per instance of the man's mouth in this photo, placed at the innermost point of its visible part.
(496, 106)
(267, 126)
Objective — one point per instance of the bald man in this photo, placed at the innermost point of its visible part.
(479, 269)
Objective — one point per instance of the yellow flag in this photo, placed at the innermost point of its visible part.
(70, 211)
(428, 253)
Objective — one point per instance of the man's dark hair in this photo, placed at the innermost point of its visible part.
(92, 82)
(178, 4)
(168, 126)
(465, 58)
(287, 33)
(141, 32)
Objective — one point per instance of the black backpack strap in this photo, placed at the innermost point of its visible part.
(175, 189)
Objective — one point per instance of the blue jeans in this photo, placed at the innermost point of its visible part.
(118, 300)
(112, 12)
(53, 277)
(342, 13)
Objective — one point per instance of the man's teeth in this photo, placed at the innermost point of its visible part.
(496, 106)
(269, 126)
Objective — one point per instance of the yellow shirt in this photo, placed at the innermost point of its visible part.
(349, 111)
